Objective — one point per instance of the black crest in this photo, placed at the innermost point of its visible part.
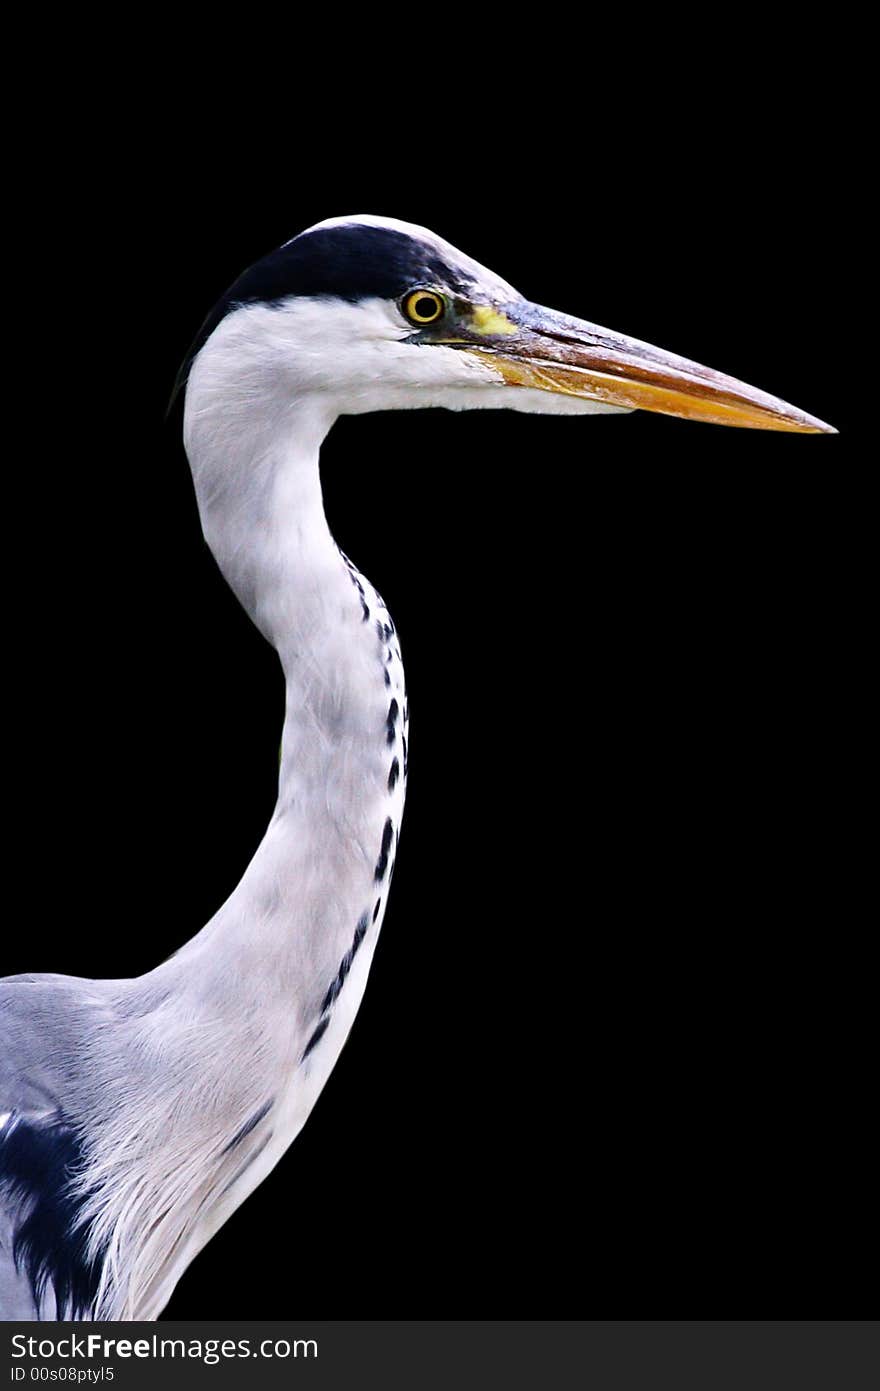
(349, 262)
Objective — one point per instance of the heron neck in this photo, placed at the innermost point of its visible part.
(258, 488)
(313, 878)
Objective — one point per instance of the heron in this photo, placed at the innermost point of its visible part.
(136, 1115)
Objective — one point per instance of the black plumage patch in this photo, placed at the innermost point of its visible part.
(249, 1125)
(345, 965)
(351, 262)
(317, 1036)
(382, 862)
(37, 1164)
(251, 1159)
(391, 720)
(393, 775)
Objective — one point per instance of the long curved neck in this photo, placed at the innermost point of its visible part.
(262, 998)
(316, 875)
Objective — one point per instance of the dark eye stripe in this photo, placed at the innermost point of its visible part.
(351, 262)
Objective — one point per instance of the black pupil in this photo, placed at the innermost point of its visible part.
(425, 307)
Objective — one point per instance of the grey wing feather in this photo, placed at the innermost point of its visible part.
(42, 1274)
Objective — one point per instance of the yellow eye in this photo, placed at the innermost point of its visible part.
(424, 307)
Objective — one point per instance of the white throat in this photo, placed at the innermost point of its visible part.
(254, 460)
(282, 966)
(324, 864)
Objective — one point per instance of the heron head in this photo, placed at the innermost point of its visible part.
(367, 313)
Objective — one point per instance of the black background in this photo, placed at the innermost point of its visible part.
(611, 1054)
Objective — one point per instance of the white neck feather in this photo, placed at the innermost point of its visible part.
(284, 961)
(254, 458)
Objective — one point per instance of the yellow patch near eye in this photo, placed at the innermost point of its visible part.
(485, 319)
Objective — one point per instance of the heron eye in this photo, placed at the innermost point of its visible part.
(424, 307)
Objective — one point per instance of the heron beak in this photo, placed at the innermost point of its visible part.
(540, 348)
